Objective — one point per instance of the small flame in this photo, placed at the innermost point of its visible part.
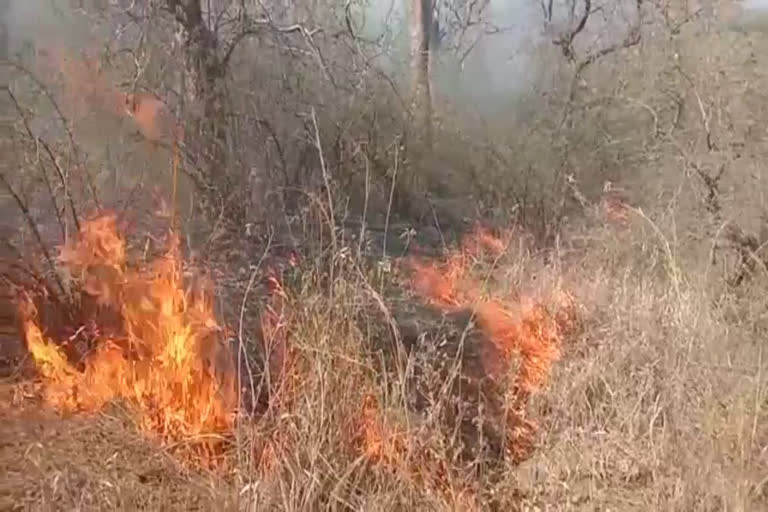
(394, 450)
(86, 88)
(164, 355)
(374, 439)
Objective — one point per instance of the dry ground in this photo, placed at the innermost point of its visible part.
(86, 463)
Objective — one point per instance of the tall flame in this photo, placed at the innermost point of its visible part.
(163, 353)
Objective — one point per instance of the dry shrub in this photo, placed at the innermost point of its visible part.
(153, 343)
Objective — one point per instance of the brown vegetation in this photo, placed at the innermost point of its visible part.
(557, 304)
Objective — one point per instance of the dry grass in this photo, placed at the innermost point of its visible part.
(657, 405)
(372, 399)
(89, 463)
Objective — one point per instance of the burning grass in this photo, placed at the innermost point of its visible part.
(162, 351)
(155, 343)
(522, 327)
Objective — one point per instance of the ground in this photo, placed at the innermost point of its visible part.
(99, 462)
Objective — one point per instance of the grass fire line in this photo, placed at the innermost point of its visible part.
(161, 348)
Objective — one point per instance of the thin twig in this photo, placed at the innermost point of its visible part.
(33, 227)
(327, 182)
(65, 124)
(391, 197)
(54, 161)
(240, 345)
(365, 203)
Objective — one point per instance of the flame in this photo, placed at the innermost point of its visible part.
(86, 87)
(523, 327)
(164, 354)
(374, 439)
(395, 451)
(152, 118)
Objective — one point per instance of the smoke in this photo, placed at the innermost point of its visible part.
(36, 23)
(752, 17)
(492, 65)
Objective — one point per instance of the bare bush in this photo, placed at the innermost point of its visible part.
(303, 151)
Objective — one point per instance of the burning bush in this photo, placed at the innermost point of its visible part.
(162, 351)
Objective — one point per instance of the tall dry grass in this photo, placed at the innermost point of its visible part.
(657, 404)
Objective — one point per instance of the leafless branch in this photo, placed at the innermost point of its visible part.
(702, 109)
(565, 41)
(546, 9)
(54, 162)
(33, 227)
(259, 26)
(65, 125)
(632, 38)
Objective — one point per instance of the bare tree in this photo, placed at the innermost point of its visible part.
(207, 35)
(575, 22)
(421, 29)
(460, 25)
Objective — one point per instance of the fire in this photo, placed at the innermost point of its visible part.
(394, 450)
(162, 353)
(377, 442)
(523, 327)
(86, 87)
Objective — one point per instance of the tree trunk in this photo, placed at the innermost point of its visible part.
(5, 6)
(421, 27)
(205, 104)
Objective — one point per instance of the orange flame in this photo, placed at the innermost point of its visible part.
(374, 439)
(86, 88)
(165, 358)
(525, 327)
(395, 451)
(153, 118)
